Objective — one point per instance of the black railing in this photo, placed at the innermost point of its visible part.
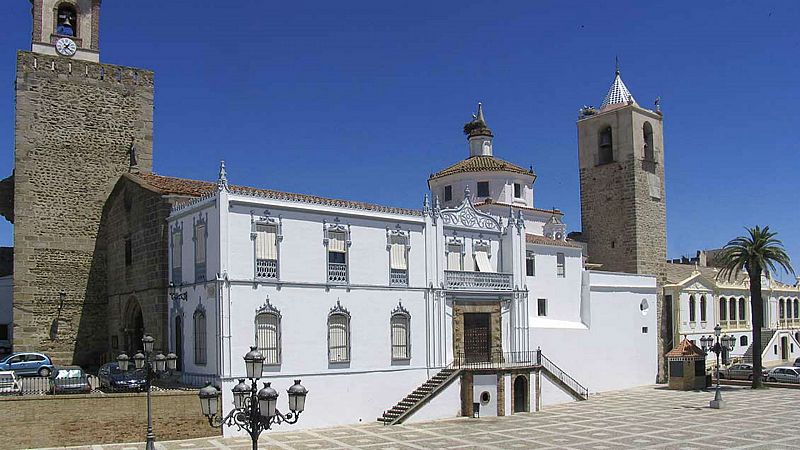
(562, 376)
(510, 360)
(494, 360)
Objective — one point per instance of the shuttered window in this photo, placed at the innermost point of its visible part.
(268, 337)
(266, 251)
(200, 351)
(337, 258)
(177, 257)
(454, 257)
(401, 342)
(200, 252)
(560, 265)
(338, 338)
(398, 253)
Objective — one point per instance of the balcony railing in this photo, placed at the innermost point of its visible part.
(267, 268)
(337, 273)
(398, 277)
(462, 280)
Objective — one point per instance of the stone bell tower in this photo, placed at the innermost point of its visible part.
(623, 207)
(79, 126)
(67, 27)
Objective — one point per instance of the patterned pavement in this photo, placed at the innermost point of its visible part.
(648, 417)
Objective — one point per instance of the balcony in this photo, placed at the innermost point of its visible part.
(398, 277)
(477, 281)
(337, 273)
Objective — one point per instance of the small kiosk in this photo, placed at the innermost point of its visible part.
(687, 367)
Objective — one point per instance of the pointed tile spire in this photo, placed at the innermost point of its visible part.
(618, 93)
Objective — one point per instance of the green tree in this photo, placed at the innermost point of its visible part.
(755, 252)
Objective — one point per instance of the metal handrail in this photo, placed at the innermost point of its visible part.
(562, 376)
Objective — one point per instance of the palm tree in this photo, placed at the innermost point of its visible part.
(755, 252)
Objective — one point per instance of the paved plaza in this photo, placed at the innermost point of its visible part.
(648, 417)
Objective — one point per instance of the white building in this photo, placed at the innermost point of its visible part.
(365, 303)
(699, 301)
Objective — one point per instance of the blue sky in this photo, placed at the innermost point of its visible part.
(362, 100)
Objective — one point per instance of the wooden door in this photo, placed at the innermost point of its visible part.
(477, 337)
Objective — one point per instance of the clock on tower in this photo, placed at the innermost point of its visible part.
(68, 28)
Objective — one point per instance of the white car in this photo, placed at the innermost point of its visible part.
(9, 383)
(784, 375)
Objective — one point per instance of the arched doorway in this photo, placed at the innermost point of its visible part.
(133, 327)
(521, 394)
(179, 341)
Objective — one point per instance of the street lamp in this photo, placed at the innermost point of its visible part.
(154, 367)
(723, 343)
(254, 410)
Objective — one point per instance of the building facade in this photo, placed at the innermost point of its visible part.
(699, 301)
(374, 301)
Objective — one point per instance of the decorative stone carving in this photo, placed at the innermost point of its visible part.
(467, 216)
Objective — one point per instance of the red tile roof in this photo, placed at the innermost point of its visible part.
(686, 348)
(481, 163)
(197, 188)
(489, 201)
(542, 240)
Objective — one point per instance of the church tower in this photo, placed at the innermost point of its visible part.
(79, 126)
(623, 208)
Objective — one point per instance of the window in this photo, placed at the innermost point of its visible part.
(644, 330)
(676, 368)
(517, 190)
(481, 256)
(796, 309)
(266, 251)
(3, 332)
(177, 256)
(605, 147)
(398, 257)
(200, 235)
(742, 309)
(723, 309)
(649, 150)
(66, 20)
(530, 264)
(483, 188)
(732, 309)
(692, 314)
(699, 368)
(541, 307)
(560, 269)
(337, 257)
(338, 335)
(702, 308)
(400, 323)
(268, 334)
(455, 259)
(200, 337)
(128, 251)
(448, 193)
(781, 310)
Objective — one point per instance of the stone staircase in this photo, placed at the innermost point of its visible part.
(419, 397)
(766, 336)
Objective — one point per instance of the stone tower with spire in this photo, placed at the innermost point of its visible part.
(623, 207)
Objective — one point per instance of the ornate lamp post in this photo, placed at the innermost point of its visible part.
(154, 367)
(724, 343)
(254, 410)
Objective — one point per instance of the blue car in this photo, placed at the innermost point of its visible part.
(27, 363)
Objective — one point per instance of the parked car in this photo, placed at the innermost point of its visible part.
(69, 380)
(796, 362)
(737, 372)
(28, 364)
(9, 383)
(784, 375)
(112, 377)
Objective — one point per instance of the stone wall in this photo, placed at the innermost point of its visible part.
(75, 123)
(58, 421)
(140, 214)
